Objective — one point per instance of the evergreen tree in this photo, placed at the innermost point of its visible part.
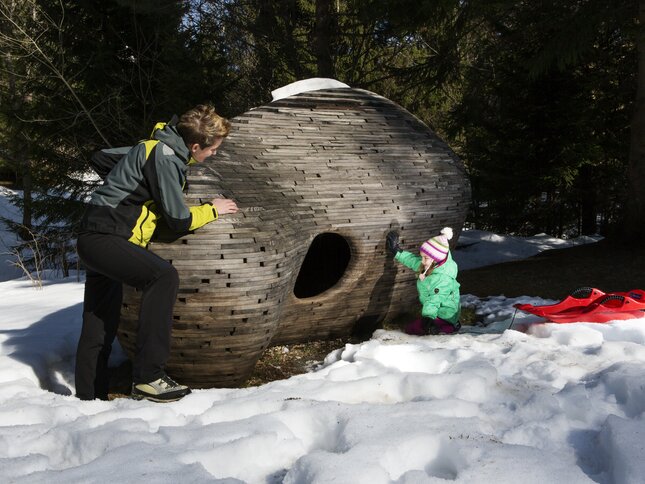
(635, 200)
(527, 93)
(91, 74)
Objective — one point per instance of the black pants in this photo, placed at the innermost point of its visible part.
(110, 262)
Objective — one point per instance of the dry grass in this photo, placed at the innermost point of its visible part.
(280, 362)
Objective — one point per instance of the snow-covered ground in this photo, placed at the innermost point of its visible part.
(551, 403)
(477, 248)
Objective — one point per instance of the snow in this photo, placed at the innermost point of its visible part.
(306, 85)
(479, 248)
(538, 403)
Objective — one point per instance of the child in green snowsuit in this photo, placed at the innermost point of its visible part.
(436, 283)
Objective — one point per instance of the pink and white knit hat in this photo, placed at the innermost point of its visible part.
(437, 247)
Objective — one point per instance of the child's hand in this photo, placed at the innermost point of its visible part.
(392, 243)
(224, 205)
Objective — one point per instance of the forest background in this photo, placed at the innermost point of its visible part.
(543, 101)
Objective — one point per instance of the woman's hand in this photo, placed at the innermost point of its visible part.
(224, 205)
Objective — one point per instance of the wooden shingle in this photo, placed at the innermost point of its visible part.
(320, 178)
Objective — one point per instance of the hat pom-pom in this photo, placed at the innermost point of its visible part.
(447, 232)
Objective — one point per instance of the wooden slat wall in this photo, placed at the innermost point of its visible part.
(344, 161)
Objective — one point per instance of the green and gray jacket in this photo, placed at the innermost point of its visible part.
(439, 291)
(145, 185)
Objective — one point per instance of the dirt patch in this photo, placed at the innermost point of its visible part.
(281, 362)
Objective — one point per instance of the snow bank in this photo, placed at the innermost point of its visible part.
(549, 403)
(477, 248)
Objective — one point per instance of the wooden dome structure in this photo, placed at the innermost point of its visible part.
(320, 178)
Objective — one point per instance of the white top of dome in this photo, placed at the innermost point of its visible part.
(313, 84)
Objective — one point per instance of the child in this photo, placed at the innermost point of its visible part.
(143, 187)
(436, 283)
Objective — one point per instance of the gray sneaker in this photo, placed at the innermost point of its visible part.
(165, 389)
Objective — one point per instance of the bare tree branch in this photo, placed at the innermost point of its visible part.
(31, 46)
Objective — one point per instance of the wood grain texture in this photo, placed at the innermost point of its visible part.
(345, 162)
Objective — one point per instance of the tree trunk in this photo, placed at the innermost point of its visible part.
(264, 33)
(588, 204)
(25, 231)
(323, 37)
(634, 228)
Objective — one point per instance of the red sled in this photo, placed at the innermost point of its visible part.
(581, 297)
(592, 305)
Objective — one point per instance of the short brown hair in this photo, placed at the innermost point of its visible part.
(202, 125)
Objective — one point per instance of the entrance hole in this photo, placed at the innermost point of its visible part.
(324, 265)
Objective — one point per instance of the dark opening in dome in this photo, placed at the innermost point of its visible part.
(324, 265)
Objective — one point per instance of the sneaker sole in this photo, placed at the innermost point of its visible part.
(152, 398)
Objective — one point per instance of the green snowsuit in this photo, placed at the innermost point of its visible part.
(439, 291)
